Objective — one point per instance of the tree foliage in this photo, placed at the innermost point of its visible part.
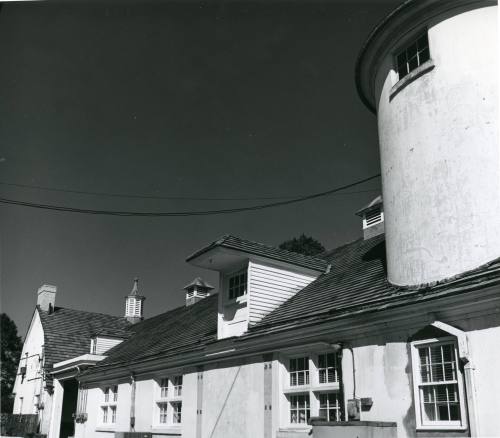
(10, 353)
(304, 245)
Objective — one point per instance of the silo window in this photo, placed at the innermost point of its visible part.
(413, 55)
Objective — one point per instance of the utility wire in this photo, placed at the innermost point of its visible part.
(182, 198)
(184, 213)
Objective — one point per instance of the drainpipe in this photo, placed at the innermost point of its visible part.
(132, 402)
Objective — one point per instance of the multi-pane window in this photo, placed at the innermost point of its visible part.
(176, 412)
(108, 406)
(164, 387)
(163, 410)
(177, 381)
(438, 385)
(299, 371)
(168, 400)
(328, 371)
(300, 409)
(329, 406)
(312, 387)
(413, 55)
(238, 285)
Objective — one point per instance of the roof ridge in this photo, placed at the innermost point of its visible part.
(278, 248)
(81, 311)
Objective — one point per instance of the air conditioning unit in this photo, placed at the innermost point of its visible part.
(133, 435)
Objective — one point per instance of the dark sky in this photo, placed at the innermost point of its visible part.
(194, 99)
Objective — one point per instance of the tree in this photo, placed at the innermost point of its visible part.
(304, 245)
(10, 353)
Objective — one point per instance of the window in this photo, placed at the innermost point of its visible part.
(177, 412)
(108, 407)
(328, 368)
(93, 346)
(177, 381)
(299, 371)
(413, 55)
(329, 406)
(300, 409)
(168, 401)
(437, 385)
(163, 409)
(238, 285)
(312, 387)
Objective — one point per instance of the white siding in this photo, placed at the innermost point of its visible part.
(104, 344)
(269, 287)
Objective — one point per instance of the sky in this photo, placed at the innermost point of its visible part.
(198, 99)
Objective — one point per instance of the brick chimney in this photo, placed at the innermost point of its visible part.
(47, 297)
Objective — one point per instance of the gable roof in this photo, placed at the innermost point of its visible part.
(198, 281)
(169, 334)
(259, 249)
(67, 332)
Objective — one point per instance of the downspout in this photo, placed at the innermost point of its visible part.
(132, 402)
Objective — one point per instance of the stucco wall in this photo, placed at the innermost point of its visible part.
(32, 383)
(440, 153)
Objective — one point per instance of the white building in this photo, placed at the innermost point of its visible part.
(395, 334)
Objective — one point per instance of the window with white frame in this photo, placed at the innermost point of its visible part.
(413, 55)
(237, 285)
(299, 371)
(312, 387)
(168, 403)
(438, 384)
(108, 406)
(300, 409)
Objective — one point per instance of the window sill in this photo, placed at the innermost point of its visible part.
(170, 429)
(105, 429)
(426, 67)
(237, 300)
(325, 387)
(297, 389)
(440, 428)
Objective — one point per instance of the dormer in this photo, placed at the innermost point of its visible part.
(106, 338)
(372, 216)
(254, 279)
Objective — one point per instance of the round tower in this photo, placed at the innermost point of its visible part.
(429, 71)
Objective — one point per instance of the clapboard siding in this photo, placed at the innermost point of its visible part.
(104, 344)
(270, 286)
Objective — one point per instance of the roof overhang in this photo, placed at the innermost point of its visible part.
(66, 368)
(409, 16)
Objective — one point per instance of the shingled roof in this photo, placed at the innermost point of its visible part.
(259, 249)
(357, 282)
(185, 328)
(67, 332)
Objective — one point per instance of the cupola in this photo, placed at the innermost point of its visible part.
(373, 218)
(197, 290)
(134, 304)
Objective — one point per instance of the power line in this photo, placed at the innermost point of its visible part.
(183, 213)
(183, 198)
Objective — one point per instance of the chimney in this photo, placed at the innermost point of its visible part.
(46, 297)
(373, 218)
(134, 304)
(197, 290)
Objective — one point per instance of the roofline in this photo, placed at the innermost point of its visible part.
(251, 344)
(406, 10)
(221, 243)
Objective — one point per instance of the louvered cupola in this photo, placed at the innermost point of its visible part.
(134, 304)
(197, 290)
(373, 218)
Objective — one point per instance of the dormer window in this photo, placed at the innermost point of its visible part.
(238, 285)
(413, 55)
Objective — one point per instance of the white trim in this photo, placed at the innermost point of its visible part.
(417, 384)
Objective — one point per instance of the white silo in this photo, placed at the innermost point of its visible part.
(430, 73)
